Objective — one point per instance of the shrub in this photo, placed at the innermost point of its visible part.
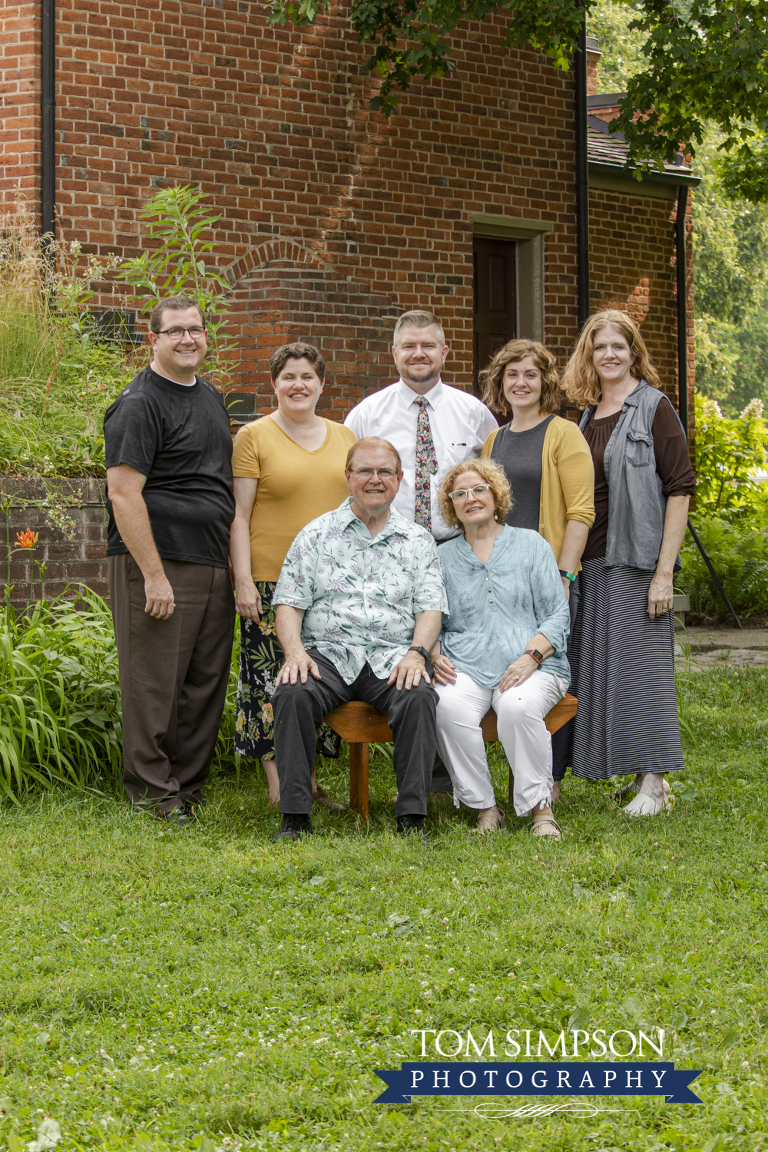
(740, 558)
(727, 454)
(59, 695)
(60, 709)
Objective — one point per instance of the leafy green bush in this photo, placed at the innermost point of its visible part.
(59, 696)
(60, 711)
(728, 452)
(740, 558)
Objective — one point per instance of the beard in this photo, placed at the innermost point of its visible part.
(421, 374)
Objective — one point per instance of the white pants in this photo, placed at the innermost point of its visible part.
(520, 716)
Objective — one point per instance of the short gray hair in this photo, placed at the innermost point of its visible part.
(418, 319)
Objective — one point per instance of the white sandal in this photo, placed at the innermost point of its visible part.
(644, 805)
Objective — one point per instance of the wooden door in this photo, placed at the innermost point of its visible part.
(495, 319)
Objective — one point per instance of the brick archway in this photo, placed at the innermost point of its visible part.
(270, 252)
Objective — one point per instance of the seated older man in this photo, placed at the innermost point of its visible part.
(359, 604)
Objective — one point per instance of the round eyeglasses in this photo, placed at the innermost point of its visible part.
(463, 493)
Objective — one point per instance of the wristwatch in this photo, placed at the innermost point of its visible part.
(534, 654)
(567, 575)
(418, 648)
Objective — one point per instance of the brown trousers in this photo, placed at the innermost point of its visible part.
(173, 679)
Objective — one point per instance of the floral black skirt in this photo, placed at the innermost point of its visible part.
(261, 658)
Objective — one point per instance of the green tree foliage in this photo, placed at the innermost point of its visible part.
(702, 61)
(621, 44)
(730, 243)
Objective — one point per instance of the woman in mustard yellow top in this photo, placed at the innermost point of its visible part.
(289, 469)
(549, 467)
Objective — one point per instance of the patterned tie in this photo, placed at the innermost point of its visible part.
(426, 466)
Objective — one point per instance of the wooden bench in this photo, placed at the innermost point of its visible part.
(360, 724)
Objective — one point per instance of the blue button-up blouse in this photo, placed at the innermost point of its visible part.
(494, 609)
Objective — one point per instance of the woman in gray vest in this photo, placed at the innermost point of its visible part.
(622, 649)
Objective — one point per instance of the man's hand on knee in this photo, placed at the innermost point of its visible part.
(297, 665)
(409, 671)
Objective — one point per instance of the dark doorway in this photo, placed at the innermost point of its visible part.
(495, 320)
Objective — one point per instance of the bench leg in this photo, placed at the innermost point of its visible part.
(358, 779)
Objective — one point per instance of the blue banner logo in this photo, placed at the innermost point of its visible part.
(561, 1079)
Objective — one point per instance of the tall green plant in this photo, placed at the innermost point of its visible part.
(728, 453)
(60, 715)
(178, 223)
(57, 372)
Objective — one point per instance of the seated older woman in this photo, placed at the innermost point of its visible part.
(502, 646)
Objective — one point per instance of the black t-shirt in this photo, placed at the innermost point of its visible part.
(179, 438)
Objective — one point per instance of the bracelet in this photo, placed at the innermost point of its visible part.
(567, 575)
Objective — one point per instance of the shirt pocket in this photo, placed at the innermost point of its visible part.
(639, 448)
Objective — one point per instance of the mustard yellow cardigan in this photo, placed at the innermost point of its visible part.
(567, 480)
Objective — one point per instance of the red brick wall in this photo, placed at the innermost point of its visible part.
(632, 266)
(329, 212)
(333, 219)
(74, 557)
(20, 97)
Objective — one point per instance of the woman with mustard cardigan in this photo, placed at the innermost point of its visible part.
(549, 467)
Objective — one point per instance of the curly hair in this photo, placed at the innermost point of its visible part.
(581, 382)
(492, 377)
(490, 473)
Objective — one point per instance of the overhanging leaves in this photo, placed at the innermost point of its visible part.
(705, 61)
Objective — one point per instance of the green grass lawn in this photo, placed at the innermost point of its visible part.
(206, 988)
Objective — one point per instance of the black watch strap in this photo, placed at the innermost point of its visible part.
(418, 648)
(534, 654)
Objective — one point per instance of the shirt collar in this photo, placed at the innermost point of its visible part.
(433, 397)
(396, 523)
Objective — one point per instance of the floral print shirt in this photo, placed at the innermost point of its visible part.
(360, 594)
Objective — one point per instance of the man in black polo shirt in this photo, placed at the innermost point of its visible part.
(171, 503)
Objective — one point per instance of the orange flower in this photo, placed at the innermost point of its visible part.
(26, 539)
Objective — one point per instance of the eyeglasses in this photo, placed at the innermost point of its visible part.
(176, 333)
(367, 473)
(464, 493)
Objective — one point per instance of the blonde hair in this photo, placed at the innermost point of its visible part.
(372, 442)
(492, 377)
(490, 472)
(580, 381)
(417, 319)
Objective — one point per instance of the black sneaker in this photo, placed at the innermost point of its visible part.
(294, 827)
(412, 826)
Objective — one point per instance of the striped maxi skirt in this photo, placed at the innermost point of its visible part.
(623, 673)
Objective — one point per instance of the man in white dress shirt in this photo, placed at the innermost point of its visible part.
(432, 425)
